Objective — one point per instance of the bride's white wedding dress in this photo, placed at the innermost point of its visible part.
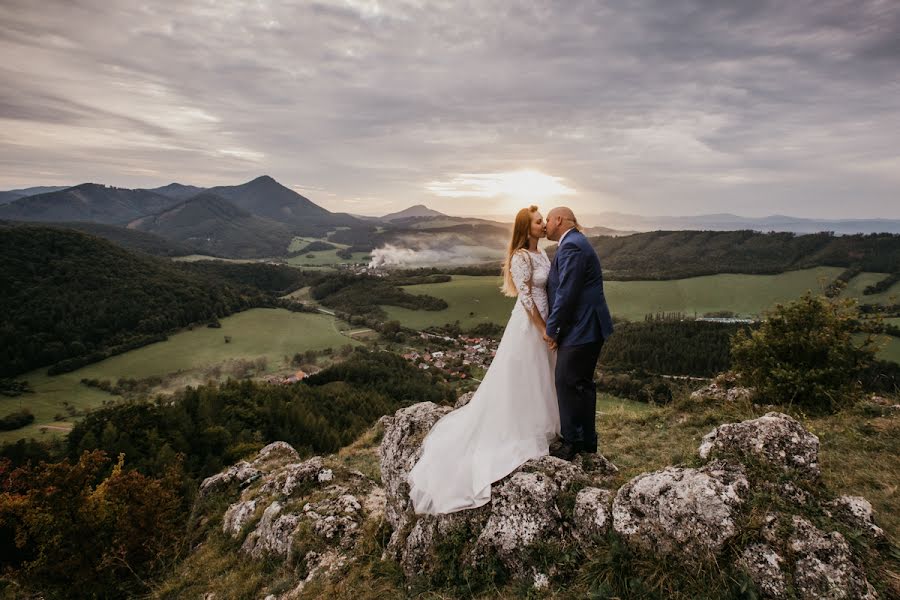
(512, 417)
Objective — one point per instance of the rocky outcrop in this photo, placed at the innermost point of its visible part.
(688, 512)
(400, 448)
(298, 510)
(311, 512)
(723, 388)
(775, 439)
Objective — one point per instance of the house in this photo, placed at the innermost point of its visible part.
(298, 376)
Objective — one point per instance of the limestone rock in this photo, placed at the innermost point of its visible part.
(285, 480)
(276, 451)
(464, 399)
(273, 534)
(240, 472)
(523, 511)
(774, 438)
(856, 512)
(237, 515)
(825, 567)
(400, 448)
(723, 389)
(593, 513)
(764, 566)
(683, 511)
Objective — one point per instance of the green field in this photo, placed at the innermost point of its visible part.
(326, 258)
(256, 333)
(856, 286)
(476, 299)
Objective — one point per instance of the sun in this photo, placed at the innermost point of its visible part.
(524, 185)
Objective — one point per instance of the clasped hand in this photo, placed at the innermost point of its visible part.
(551, 343)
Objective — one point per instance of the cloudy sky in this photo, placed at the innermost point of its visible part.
(471, 107)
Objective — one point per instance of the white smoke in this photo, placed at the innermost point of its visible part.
(423, 255)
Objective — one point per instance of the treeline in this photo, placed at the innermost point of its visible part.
(364, 295)
(679, 254)
(670, 345)
(168, 446)
(883, 285)
(72, 298)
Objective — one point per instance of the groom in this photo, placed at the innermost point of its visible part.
(578, 323)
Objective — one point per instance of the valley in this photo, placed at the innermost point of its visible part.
(190, 357)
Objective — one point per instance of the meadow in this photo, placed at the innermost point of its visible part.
(476, 299)
(272, 334)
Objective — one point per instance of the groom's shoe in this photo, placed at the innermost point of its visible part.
(565, 451)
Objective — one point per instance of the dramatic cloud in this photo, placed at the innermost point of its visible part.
(660, 106)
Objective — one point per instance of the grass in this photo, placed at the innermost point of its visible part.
(326, 258)
(856, 286)
(263, 332)
(474, 299)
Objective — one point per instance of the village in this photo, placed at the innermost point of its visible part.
(463, 355)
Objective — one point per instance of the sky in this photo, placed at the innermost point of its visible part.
(662, 107)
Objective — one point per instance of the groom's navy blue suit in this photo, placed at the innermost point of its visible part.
(579, 321)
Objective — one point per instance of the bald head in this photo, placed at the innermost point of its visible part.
(559, 220)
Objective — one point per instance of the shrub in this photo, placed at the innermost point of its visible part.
(805, 354)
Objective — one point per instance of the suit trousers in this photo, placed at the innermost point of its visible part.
(576, 393)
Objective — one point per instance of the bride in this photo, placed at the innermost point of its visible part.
(513, 415)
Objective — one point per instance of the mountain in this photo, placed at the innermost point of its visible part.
(419, 210)
(730, 222)
(11, 195)
(215, 226)
(87, 202)
(177, 191)
(267, 198)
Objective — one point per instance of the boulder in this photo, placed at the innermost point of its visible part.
(238, 515)
(723, 388)
(825, 567)
(464, 399)
(400, 448)
(273, 535)
(592, 516)
(681, 511)
(523, 511)
(764, 566)
(856, 512)
(775, 439)
(241, 472)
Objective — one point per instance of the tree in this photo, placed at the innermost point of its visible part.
(806, 353)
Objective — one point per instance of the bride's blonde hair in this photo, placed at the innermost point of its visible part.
(520, 232)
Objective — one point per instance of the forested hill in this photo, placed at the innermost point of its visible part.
(68, 296)
(678, 254)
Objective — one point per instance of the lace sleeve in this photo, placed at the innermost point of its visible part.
(521, 270)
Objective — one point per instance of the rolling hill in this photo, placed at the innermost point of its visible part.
(678, 254)
(419, 210)
(215, 226)
(11, 195)
(177, 191)
(130, 239)
(91, 202)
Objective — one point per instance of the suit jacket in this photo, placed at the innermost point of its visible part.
(578, 311)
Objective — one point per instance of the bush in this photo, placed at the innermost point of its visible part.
(804, 354)
(16, 420)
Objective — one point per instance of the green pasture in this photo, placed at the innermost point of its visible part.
(256, 333)
(859, 283)
(475, 299)
(326, 258)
